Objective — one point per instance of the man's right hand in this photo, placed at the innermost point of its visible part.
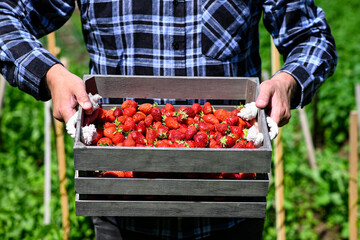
(67, 92)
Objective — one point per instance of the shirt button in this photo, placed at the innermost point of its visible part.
(175, 45)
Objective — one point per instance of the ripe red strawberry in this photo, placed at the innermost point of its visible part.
(207, 108)
(151, 135)
(189, 111)
(129, 174)
(250, 145)
(141, 140)
(240, 144)
(149, 120)
(190, 121)
(129, 103)
(99, 134)
(135, 135)
(129, 124)
(104, 141)
(228, 175)
(220, 114)
(120, 120)
(237, 132)
(156, 113)
(210, 118)
(232, 120)
(171, 123)
(182, 116)
(227, 141)
(129, 111)
(162, 143)
(117, 112)
(169, 107)
(175, 135)
(190, 143)
(203, 126)
(114, 174)
(110, 131)
(163, 131)
(247, 175)
(200, 139)
(190, 132)
(139, 116)
(129, 141)
(109, 124)
(101, 117)
(118, 138)
(222, 128)
(110, 115)
(146, 108)
(196, 107)
(213, 144)
(178, 144)
(141, 128)
(242, 123)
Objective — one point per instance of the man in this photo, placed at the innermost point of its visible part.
(170, 38)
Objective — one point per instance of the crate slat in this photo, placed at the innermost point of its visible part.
(170, 208)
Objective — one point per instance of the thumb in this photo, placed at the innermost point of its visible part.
(265, 93)
(83, 99)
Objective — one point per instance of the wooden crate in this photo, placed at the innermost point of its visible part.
(174, 197)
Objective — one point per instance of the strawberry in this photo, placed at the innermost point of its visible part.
(141, 140)
(118, 138)
(129, 111)
(99, 134)
(178, 144)
(232, 120)
(203, 126)
(237, 132)
(129, 124)
(190, 143)
(189, 111)
(120, 120)
(182, 116)
(169, 107)
(129, 141)
(190, 132)
(162, 143)
(139, 116)
(146, 108)
(109, 124)
(156, 113)
(104, 141)
(141, 128)
(169, 113)
(207, 108)
(101, 117)
(220, 114)
(149, 120)
(196, 107)
(129, 174)
(114, 174)
(163, 131)
(183, 128)
(117, 112)
(247, 175)
(240, 144)
(249, 145)
(227, 141)
(129, 103)
(222, 128)
(213, 144)
(151, 135)
(229, 175)
(110, 115)
(200, 139)
(190, 121)
(242, 123)
(210, 118)
(110, 131)
(171, 123)
(175, 135)
(135, 135)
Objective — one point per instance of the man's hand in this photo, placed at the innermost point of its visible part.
(67, 91)
(276, 94)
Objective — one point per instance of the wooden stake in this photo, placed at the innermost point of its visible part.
(308, 139)
(353, 172)
(278, 162)
(60, 149)
(47, 163)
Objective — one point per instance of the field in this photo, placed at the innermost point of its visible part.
(316, 201)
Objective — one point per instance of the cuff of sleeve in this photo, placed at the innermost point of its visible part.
(35, 66)
(304, 78)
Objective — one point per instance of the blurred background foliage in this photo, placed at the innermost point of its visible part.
(316, 201)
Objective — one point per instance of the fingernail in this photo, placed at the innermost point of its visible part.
(87, 105)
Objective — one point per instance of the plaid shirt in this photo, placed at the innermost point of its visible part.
(170, 38)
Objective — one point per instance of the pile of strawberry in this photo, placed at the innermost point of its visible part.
(148, 125)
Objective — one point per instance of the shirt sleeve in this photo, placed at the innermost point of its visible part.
(302, 35)
(23, 60)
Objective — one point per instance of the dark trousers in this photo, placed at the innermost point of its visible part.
(249, 229)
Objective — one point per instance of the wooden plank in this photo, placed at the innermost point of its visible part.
(172, 160)
(163, 87)
(179, 187)
(353, 172)
(170, 208)
(47, 162)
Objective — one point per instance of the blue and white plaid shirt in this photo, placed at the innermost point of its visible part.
(170, 38)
